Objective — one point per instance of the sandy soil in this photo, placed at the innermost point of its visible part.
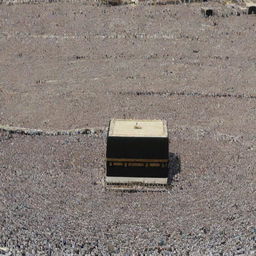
(66, 66)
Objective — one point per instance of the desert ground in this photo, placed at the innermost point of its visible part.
(74, 65)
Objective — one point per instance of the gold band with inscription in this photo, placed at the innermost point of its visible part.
(129, 162)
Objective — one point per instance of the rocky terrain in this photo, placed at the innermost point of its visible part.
(73, 65)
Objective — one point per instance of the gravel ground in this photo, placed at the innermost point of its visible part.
(67, 66)
(53, 201)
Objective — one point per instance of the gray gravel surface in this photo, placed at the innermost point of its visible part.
(53, 201)
(67, 66)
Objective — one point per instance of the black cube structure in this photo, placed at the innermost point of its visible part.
(137, 151)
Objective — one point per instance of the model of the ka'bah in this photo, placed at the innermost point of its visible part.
(137, 152)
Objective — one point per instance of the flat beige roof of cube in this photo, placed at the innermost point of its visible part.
(137, 128)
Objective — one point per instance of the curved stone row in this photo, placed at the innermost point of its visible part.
(184, 93)
(27, 131)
